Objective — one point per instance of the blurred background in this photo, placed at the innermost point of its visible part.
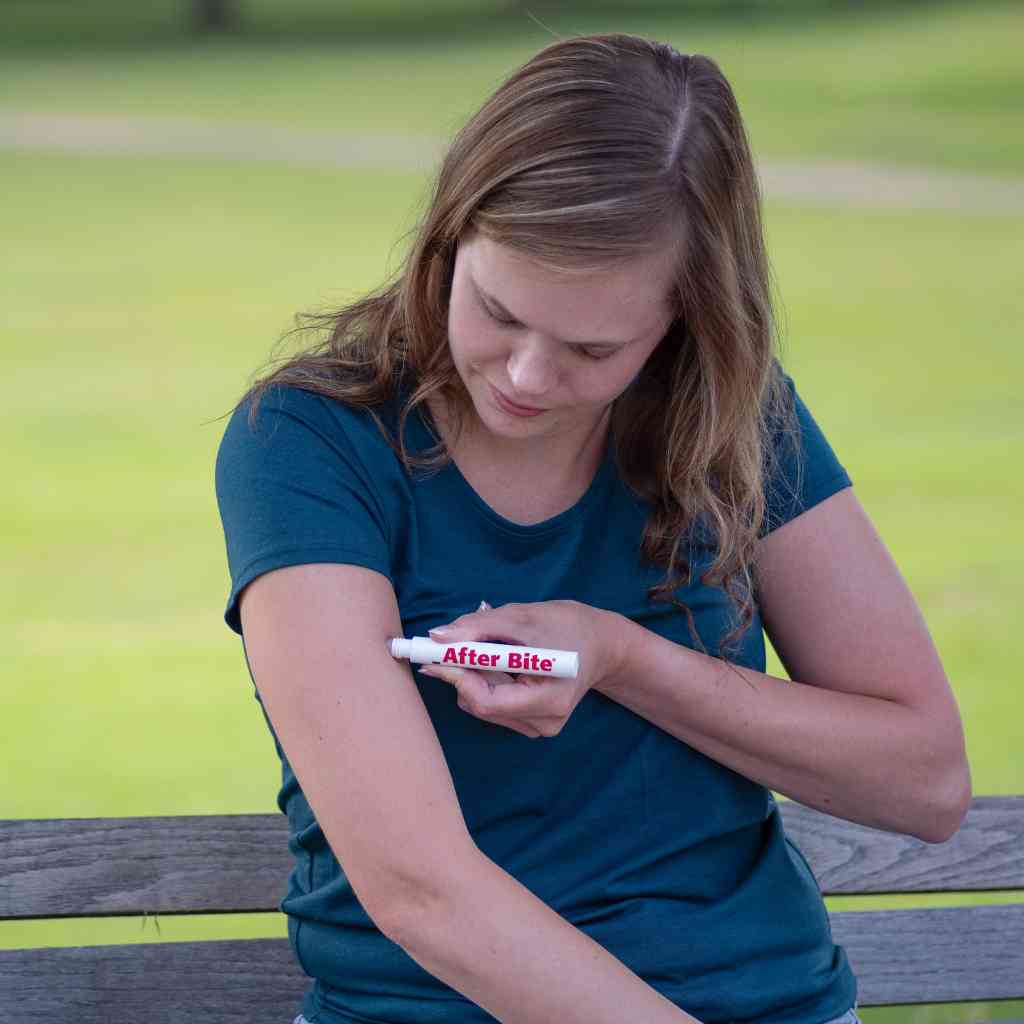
(180, 178)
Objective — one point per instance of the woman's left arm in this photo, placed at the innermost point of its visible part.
(868, 729)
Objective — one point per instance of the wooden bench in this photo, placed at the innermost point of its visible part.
(97, 867)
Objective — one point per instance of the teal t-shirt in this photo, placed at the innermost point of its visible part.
(676, 864)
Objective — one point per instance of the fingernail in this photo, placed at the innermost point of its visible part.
(441, 631)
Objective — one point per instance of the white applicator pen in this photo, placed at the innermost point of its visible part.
(532, 661)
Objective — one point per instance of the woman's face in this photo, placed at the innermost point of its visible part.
(568, 347)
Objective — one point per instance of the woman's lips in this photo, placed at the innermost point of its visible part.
(511, 407)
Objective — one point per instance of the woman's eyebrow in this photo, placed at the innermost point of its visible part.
(511, 316)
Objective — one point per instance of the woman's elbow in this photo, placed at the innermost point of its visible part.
(410, 907)
(950, 811)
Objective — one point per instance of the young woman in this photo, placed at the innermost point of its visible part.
(565, 424)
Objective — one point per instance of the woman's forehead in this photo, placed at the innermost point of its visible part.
(491, 262)
(615, 304)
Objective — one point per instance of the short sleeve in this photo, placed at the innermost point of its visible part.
(805, 469)
(294, 489)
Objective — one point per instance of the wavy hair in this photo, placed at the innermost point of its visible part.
(600, 149)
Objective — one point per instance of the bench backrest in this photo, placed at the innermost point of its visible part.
(98, 867)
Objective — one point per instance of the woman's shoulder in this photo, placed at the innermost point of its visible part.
(285, 424)
(317, 408)
(803, 468)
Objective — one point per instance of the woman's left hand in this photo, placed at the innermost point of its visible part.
(532, 705)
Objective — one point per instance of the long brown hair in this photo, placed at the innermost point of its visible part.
(598, 150)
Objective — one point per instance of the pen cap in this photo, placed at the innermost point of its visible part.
(400, 647)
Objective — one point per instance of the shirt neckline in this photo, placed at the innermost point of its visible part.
(562, 521)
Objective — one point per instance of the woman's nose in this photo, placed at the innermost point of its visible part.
(531, 370)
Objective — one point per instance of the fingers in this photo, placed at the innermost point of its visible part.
(500, 700)
(502, 625)
(465, 627)
(509, 705)
(468, 678)
(488, 628)
(490, 693)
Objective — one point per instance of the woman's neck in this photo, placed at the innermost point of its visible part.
(556, 460)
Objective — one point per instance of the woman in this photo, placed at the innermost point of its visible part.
(566, 425)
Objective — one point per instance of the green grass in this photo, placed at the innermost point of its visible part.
(140, 294)
(144, 294)
(927, 84)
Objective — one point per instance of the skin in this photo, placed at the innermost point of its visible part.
(575, 346)
(576, 343)
(865, 728)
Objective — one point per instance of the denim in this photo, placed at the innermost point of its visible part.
(850, 1017)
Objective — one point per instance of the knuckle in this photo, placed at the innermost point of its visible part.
(521, 613)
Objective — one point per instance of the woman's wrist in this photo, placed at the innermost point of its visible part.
(619, 633)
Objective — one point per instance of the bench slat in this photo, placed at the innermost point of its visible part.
(900, 956)
(98, 867)
(238, 981)
(934, 955)
(848, 859)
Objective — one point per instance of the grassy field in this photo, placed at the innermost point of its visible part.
(143, 292)
(934, 84)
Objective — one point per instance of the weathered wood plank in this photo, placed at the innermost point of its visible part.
(222, 982)
(899, 956)
(84, 867)
(934, 955)
(98, 867)
(849, 859)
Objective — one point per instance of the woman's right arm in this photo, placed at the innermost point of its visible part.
(358, 737)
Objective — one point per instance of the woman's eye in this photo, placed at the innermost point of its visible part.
(498, 319)
(597, 354)
(593, 354)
